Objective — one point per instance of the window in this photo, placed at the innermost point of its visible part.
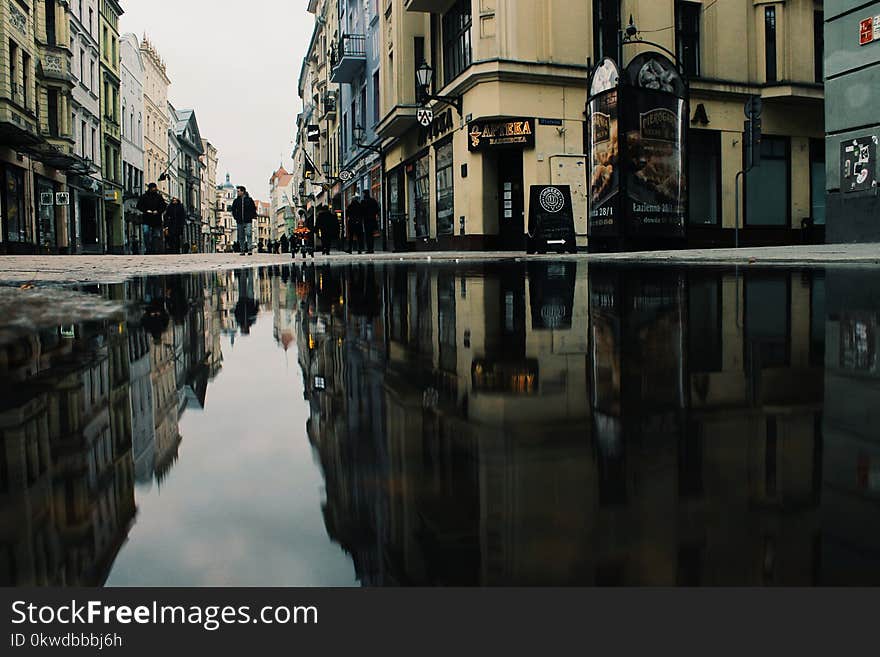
(817, 181)
(91, 20)
(52, 101)
(92, 75)
(770, 43)
(768, 185)
(94, 143)
(82, 138)
(25, 79)
(418, 58)
(819, 45)
(689, 14)
(376, 98)
(456, 40)
(50, 22)
(606, 19)
(445, 190)
(363, 108)
(704, 178)
(13, 69)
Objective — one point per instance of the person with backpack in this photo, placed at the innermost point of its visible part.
(244, 211)
(152, 206)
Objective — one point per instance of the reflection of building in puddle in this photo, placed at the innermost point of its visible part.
(851, 546)
(540, 427)
(67, 487)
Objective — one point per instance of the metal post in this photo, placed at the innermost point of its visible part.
(736, 201)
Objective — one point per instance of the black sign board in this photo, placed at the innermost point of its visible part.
(858, 164)
(495, 134)
(313, 133)
(637, 124)
(440, 124)
(551, 291)
(551, 219)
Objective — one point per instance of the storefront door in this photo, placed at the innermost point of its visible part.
(46, 213)
(88, 218)
(511, 211)
(12, 213)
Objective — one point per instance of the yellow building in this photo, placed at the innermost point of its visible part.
(37, 143)
(110, 11)
(516, 75)
(156, 83)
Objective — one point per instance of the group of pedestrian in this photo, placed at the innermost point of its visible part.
(362, 216)
(163, 223)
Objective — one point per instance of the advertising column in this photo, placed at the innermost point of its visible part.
(638, 134)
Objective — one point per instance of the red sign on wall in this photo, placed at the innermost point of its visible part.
(866, 31)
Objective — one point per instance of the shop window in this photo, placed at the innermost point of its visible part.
(817, 181)
(768, 185)
(445, 190)
(770, 43)
(689, 17)
(421, 194)
(457, 40)
(14, 227)
(606, 15)
(704, 165)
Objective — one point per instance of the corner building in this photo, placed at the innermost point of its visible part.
(521, 70)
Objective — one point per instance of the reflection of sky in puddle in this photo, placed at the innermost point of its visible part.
(242, 505)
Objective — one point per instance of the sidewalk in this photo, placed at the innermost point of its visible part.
(109, 269)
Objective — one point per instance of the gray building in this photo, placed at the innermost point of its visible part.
(852, 79)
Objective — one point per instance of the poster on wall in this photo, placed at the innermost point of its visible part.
(604, 148)
(655, 119)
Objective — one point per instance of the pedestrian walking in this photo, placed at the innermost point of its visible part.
(152, 206)
(370, 210)
(354, 218)
(328, 228)
(244, 211)
(175, 222)
(285, 244)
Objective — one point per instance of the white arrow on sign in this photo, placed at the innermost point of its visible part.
(426, 117)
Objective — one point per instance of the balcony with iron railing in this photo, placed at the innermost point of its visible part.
(348, 58)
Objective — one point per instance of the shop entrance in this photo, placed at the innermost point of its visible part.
(511, 199)
(88, 222)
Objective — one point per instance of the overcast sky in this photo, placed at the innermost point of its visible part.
(237, 64)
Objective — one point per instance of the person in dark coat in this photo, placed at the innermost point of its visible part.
(354, 218)
(328, 228)
(285, 244)
(244, 211)
(371, 211)
(175, 222)
(152, 206)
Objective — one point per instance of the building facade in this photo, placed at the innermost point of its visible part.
(132, 119)
(281, 201)
(111, 125)
(189, 175)
(852, 70)
(156, 83)
(463, 179)
(86, 195)
(208, 193)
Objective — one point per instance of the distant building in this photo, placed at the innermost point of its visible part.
(111, 123)
(282, 208)
(209, 200)
(156, 83)
(189, 174)
(225, 197)
(132, 118)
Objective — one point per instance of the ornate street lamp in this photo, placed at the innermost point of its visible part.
(359, 133)
(425, 83)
